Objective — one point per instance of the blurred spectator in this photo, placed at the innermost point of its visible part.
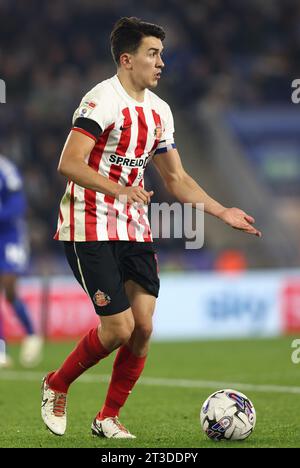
(13, 260)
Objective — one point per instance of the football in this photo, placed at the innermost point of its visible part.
(227, 414)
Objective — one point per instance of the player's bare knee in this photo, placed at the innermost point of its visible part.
(124, 332)
(123, 336)
(117, 338)
(117, 330)
(144, 331)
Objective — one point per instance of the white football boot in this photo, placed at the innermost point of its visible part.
(54, 409)
(31, 351)
(110, 428)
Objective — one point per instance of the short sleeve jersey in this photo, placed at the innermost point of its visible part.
(127, 134)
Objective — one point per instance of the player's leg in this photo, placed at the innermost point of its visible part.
(31, 348)
(139, 263)
(143, 306)
(113, 331)
(128, 365)
(94, 267)
(131, 357)
(142, 286)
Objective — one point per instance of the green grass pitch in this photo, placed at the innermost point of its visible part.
(163, 410)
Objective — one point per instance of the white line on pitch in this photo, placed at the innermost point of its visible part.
(151, 381)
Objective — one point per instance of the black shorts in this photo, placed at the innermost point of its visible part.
(102, 268)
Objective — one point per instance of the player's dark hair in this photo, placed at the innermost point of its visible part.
(128, 33)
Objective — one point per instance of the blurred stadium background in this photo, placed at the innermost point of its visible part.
(228, 76)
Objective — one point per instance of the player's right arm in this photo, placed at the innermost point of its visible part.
(73, 166)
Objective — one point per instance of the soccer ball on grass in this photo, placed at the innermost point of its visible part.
(227, 414)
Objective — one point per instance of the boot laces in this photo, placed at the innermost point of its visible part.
(59, 404)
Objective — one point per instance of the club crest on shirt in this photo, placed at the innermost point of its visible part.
(83, 112)
(158, 132)
(101, 299)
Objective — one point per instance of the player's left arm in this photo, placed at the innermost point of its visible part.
(183, 187)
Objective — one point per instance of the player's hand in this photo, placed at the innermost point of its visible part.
(238, 219)
(135, 195)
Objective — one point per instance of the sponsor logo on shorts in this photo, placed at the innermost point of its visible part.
(101, 299)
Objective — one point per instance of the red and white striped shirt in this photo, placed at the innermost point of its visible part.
(132, 132)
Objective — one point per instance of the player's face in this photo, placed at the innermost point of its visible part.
(147, 63)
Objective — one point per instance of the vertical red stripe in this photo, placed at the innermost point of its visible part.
(132, 176)
(130, 223)
(112, 215)
(61, 220)
(139, 151)
(116, 170)
(157, 121)
(72, 218)
(141, 143)
(112, 212)
(115, 174)
(96, 154)
(126, 133)
(131, 229)
(90, 195)
(142, 222)
(142, 133)
(147, 231)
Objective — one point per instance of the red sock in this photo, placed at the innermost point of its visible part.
(87, 353)
(126, 371)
